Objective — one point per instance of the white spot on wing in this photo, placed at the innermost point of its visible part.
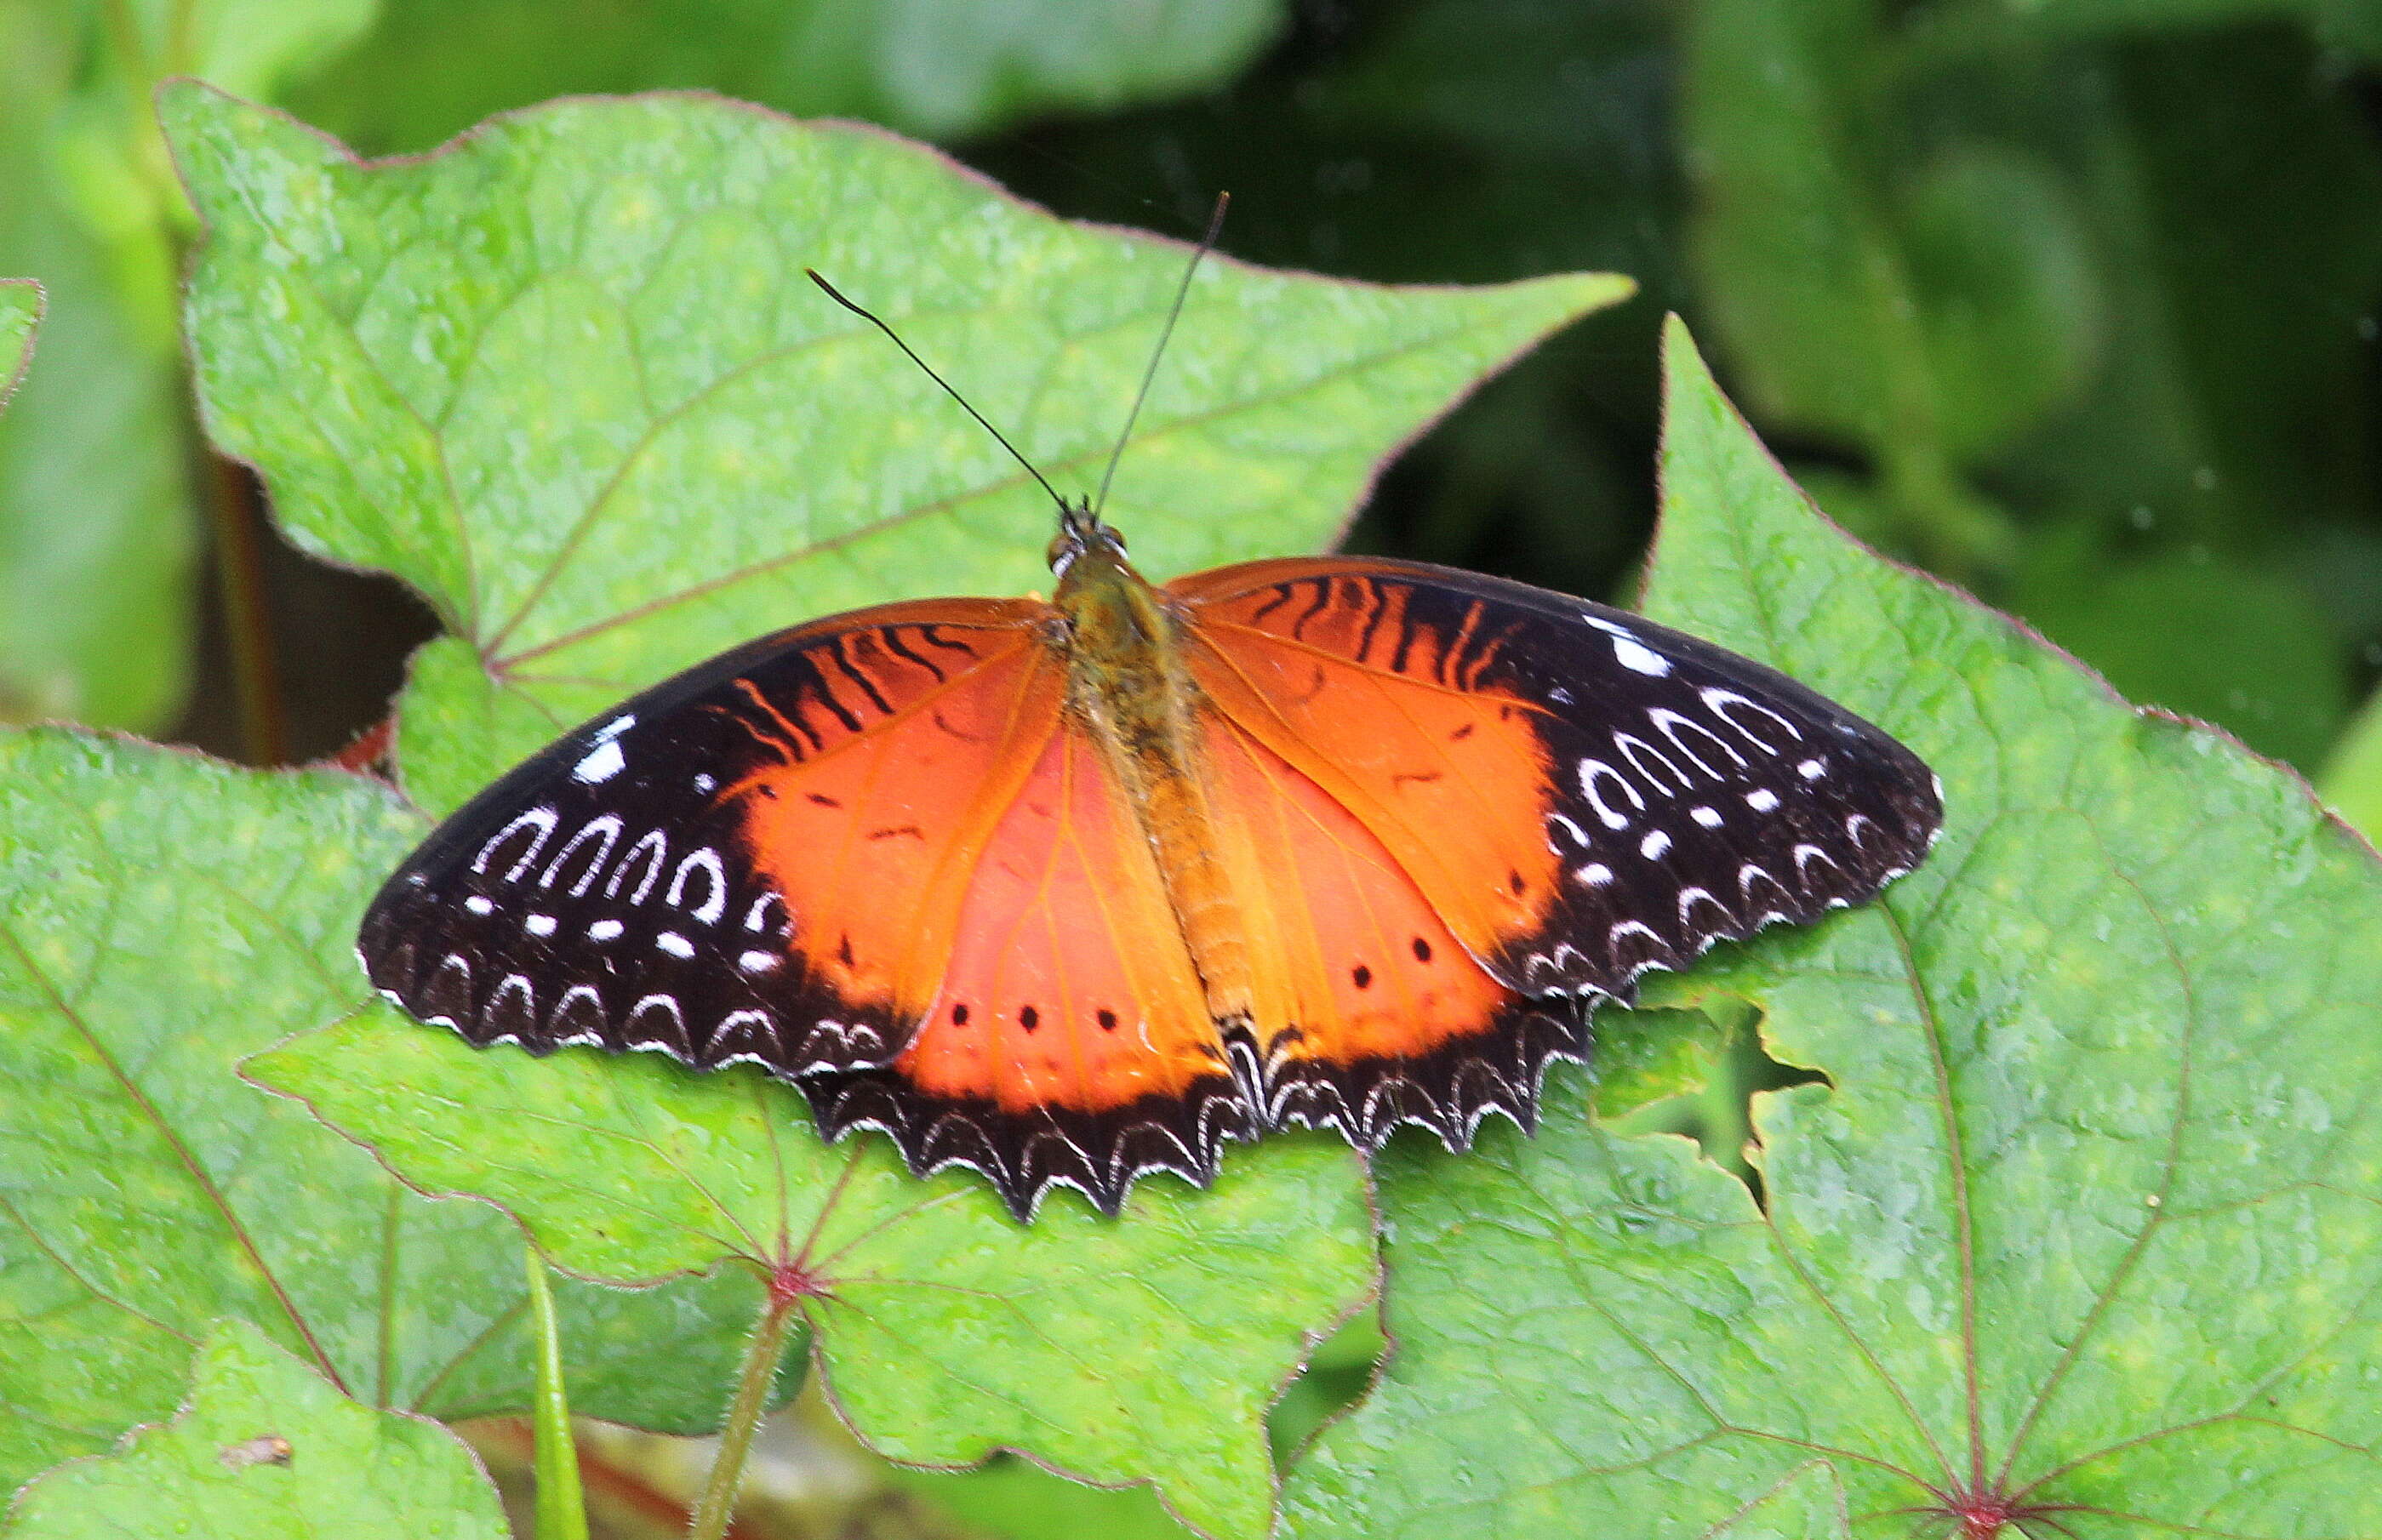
(601, 764)
(538, 818)
(1637, 655)
(607, 829)
(1721, 701)
(1704, 815)
(480, 903)
(1653, 845)
(715, 896)
(1812, 769)
(757, 962)
(674, 944)
(1762, 800)
(1592, 773)
(539, 924)
(654, 848)
(605, 930)
(1595, 873)
(1633, 748)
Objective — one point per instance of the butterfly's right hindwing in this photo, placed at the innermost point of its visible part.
(735, 864)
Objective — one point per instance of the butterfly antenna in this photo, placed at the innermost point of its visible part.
(955, 395)
(1182, 292)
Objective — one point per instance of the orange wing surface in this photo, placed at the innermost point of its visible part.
(1070, 1040)
(1579, 793)
(1372, 1012)
(1337, 672)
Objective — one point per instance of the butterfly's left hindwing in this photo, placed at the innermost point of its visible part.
(748, 862)
(1582, 794)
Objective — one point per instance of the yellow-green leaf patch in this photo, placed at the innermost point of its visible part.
(267, 1449)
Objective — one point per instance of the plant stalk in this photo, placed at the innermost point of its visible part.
(239, 572)
(561, 1508)
(760, 1373)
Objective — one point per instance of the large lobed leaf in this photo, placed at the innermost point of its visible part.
(162, 915)
(1145, 1347)
(2087, 1218)
(567, 378)
(267, 1449)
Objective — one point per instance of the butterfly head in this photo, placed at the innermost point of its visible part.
(1082, 533)
(1112, 614)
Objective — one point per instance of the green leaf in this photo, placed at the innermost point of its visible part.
(2199, 634)
(939, 67)
(2352, 777)
(94, 526)
(1017, 1500)
(95, 515)
(1646, 1056)
(1139, 1349)
(266, 1448)
(1896, 303)
(2088, 1211)
(161, 915)
(2350, 24)
(20, 314)
(567, 378)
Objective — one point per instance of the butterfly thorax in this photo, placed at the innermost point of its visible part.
(1129, 685)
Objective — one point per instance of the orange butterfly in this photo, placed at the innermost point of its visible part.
(1075, 890)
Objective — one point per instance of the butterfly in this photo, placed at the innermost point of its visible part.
(1070, 891)
(1074, 890)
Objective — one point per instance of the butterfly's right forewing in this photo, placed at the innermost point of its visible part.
(761, 860)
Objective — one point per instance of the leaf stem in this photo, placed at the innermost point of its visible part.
(231, 502)
(561, 1508)
(760, 1373)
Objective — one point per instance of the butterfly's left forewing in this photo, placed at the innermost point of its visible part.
(762, 859)
(1581, 794)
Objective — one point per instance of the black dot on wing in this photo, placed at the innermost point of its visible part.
(1029, 1018)
(1421, 949)
(1363, 975)
(959, 1013)
(1107, 1018)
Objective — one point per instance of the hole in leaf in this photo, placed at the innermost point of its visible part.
(336, 641)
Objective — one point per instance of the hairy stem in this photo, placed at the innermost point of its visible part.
(760, 1373)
